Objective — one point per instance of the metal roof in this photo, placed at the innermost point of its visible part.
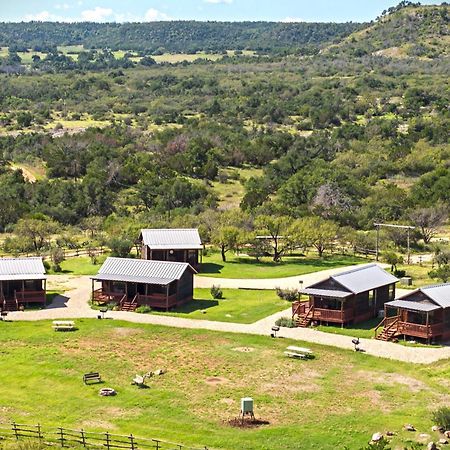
(172, 238)
(22, 269)
(329, 293)
(141, 271)
(413, 306)
(364, 278)
(438, 293)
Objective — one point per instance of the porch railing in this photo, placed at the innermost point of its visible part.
(423, 331)
(157, 300)
(29, 296)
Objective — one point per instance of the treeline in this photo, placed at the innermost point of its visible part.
(176, 36)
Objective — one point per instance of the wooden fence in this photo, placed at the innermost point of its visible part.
(67, 438)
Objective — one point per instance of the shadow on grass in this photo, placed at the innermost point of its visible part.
(195, 305)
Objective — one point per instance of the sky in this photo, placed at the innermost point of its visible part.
(220, 10)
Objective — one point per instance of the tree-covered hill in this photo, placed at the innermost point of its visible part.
(176, 36)
(409, 30)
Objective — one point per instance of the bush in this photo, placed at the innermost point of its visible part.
(441, 417)
(285, 322)
(290, 295)
(47, 265)
(143, 309)
(399, 273)
(216, 292)
(56, 268)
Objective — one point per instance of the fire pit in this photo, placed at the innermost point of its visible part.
(107, 392)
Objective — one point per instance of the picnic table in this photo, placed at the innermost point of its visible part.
(298, 352)
(63, 325)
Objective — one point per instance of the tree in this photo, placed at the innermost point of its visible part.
(318, 232)
(120, 247)
(393, 259)
(428, 220)
(38, 229)
(93, 225)
(57, 256)
(276, 230)
(442, 273)
(228, 237)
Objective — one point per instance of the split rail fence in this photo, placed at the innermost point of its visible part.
(81, 439)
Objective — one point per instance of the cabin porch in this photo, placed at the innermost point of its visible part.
(15, 294)
(129, 296)
(425, 322)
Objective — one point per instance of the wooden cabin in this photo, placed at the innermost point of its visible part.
(346, 298)
(22, 283)
(176, 245)
(421, 314)
(134, 282)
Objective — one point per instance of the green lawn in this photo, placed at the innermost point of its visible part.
(80, 265)
(337, 400)
(238, 305)
(360, 330)
(246, 267)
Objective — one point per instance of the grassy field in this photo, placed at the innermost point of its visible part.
(339, 399)
(238, 305)
(230, 194)
(246, 267)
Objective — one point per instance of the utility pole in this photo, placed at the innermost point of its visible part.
(408, 229)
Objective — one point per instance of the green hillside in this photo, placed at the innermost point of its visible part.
(411, 31)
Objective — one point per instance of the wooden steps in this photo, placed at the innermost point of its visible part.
(390, 329)
(304, 320)
(10, 305)
(128, 306)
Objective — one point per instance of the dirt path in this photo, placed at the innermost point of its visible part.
(73, 305)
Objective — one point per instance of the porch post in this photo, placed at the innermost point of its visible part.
(92, 286)
(428, 333)
(167, 297)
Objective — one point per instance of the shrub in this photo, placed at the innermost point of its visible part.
(285, 322)
(143, 309)
(56, 268)
(290, 295)
(216, 292)
(442, 273)
(399, 273)
(47, 265)
(441, 417)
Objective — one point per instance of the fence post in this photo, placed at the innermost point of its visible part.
(107, 441)
(131, 438)
(61, 436)
(157, 444)
(15, 430)
(83, 438)
(38, 426)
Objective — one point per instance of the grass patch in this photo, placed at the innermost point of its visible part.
(359, 330)
(80, 265)
(238, 305)
(334, 401)
(246, 267)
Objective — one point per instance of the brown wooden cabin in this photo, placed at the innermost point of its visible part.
(22, 282)
(422, 314)
(176, 245)
(346, 298)
(134, 282)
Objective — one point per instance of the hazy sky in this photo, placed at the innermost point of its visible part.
(150, 10)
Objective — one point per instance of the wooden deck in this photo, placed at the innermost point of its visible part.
(307, 314)
(30, 296)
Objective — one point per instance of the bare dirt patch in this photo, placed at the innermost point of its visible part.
(243, 349)
(123, 331)
(216, 381)
(392, 379)
(227, 401)
(98, 423)
(255, 423)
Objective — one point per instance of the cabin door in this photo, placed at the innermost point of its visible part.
(132, 290)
